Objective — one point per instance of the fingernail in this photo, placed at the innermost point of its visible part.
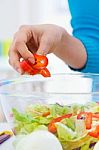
(31, 60)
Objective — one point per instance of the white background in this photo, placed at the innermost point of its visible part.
(14, 13)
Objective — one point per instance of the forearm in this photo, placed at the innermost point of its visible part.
(71, 51)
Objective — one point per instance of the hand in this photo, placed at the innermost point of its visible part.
(44, 39)
(40, 39)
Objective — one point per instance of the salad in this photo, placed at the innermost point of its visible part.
(76, 126)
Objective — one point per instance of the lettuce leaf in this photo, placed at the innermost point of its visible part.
(58, 110)
(23, 117)
(64, 132)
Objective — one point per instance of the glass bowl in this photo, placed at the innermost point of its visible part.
(63, 89)
(2, 116)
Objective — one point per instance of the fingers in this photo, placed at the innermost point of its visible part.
(19, 49)
(45, 46)
(24, 52)
(24, 39)
(17, 52)
(14, 61)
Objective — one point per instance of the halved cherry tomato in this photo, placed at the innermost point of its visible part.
(38, 68)
(45, 72)
(34, 72)
(40, 62)
(52, 127)
(25, 66)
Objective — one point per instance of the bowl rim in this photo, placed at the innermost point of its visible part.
(25, 78)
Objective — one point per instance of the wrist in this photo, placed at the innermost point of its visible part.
(71, 51)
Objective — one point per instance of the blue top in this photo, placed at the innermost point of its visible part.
(85, 23)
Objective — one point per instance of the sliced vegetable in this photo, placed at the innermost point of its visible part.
(64, 132)
(87, 116)
(40, 62)
(95, 132)
(38, 68)
(45, 72)
(58, 119)
(52, 127)
(46, 114)
(69, 122)
(88, 120)
(76, 126)
(23, 117)
(96, 115)
(25, 66)
(57, 110)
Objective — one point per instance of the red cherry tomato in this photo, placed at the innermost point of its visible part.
(38, 68)
(45, 72)
(40, 62)
(34, 72)
(25, 66)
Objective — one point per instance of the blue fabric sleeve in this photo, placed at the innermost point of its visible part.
(92, 49)
(85, 23)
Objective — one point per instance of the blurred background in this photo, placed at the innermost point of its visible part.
(14, 13)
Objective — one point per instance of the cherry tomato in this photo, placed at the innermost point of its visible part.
(25, 66)
(34, 72)
(45, 72)
(38, 68)
(40, 62)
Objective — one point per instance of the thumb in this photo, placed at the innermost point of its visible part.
(44, 47)
(25, 53)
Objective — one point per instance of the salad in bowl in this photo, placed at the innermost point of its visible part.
(75, 126)
(60, 112)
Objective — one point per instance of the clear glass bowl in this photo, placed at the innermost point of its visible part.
(2, 116)
(60, 88)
